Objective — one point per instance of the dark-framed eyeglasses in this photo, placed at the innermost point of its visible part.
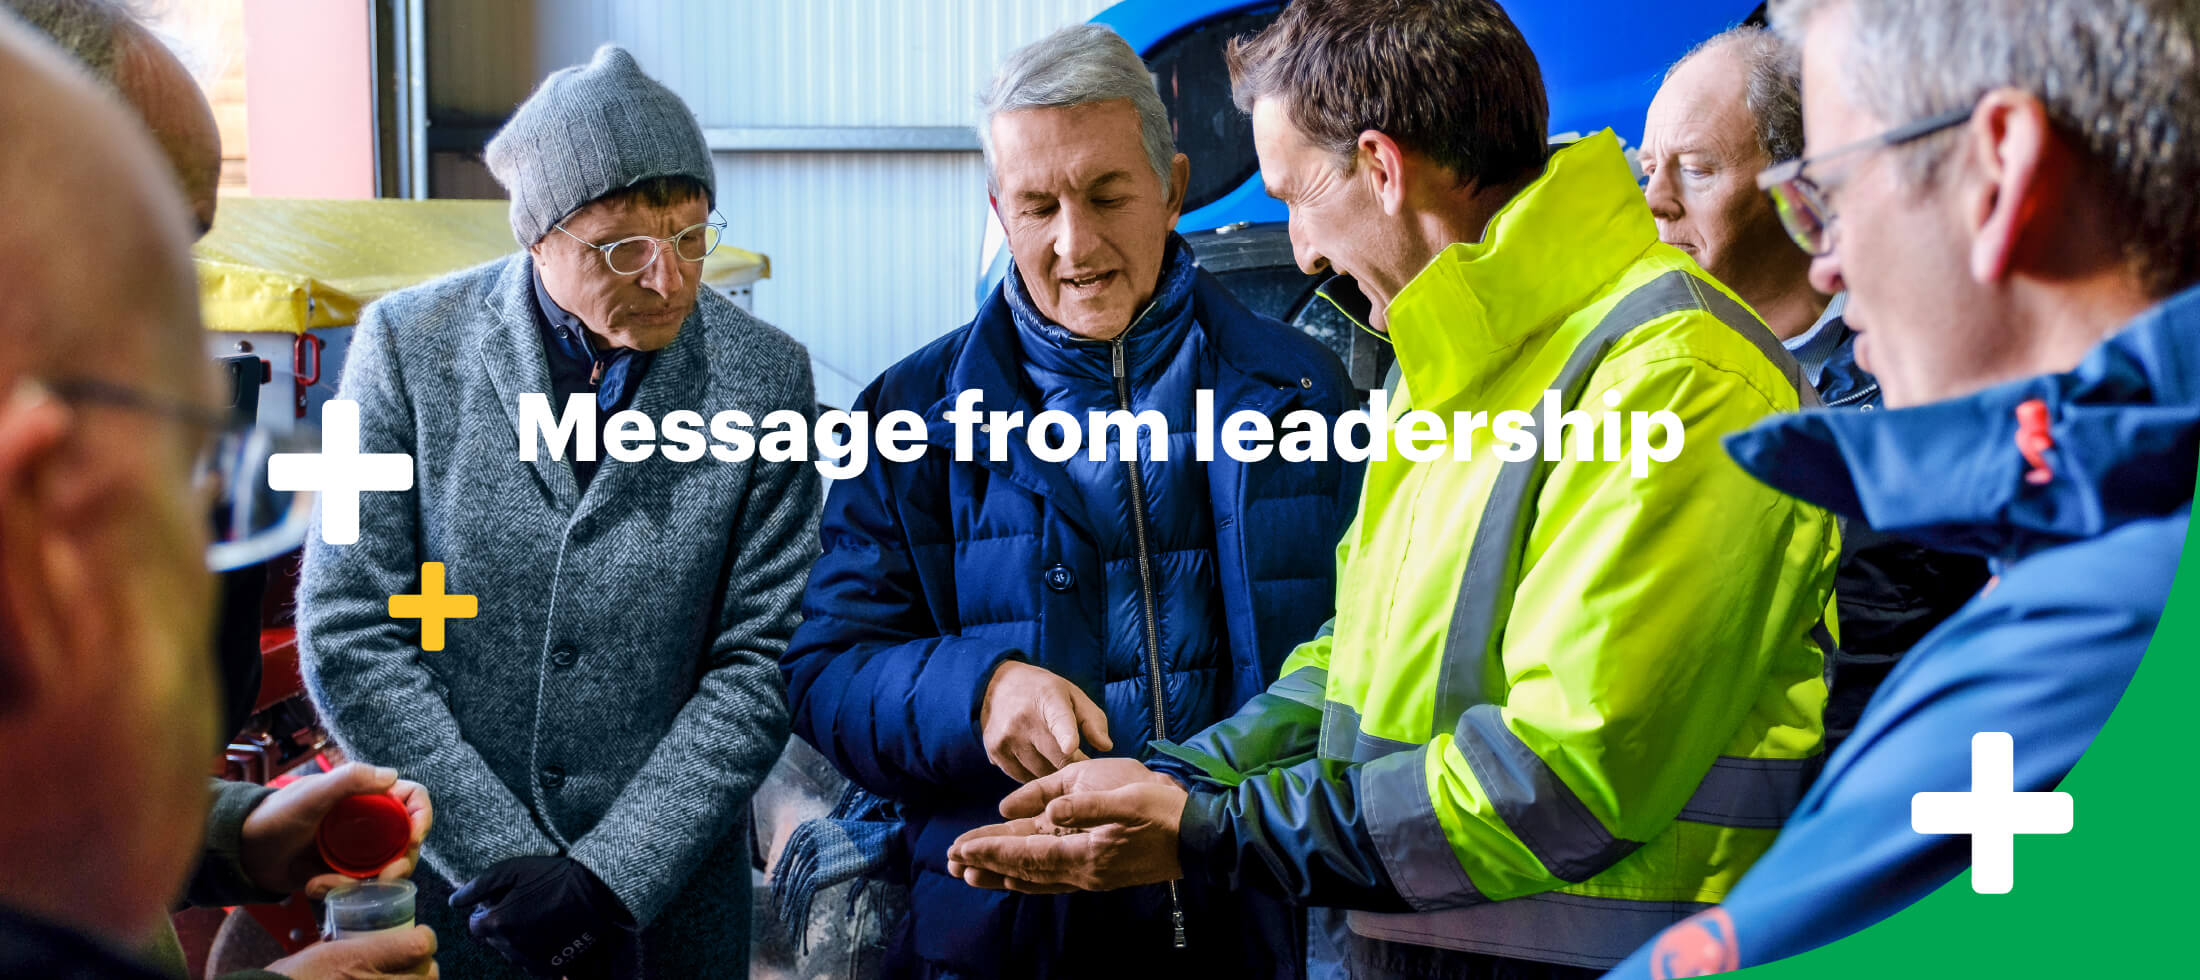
(1801, 200)
(629, 256)
(250, 523)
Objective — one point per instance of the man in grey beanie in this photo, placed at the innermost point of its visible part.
(593, 735)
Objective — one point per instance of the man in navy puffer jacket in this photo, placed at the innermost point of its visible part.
(973, 625)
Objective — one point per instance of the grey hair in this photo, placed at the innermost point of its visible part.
(1079, 65)
(2120, 77)
(1772, 90)
(89, 30)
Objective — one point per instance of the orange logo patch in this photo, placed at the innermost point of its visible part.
(1699, 946)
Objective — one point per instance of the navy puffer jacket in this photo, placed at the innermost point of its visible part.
(1166, 513)
(934, 572)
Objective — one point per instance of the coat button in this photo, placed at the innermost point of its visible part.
(1060, 579)
(564, 657)
(1306, 382)
(552, 777)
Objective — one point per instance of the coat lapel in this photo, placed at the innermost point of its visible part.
(511, 350)
(988, 364)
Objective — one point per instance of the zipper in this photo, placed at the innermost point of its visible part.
(1146, 598)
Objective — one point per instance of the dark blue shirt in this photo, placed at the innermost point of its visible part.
(612, 374)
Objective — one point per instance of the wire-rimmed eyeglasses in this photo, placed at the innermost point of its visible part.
(250, 522)
(1801, 201)
(629, 256)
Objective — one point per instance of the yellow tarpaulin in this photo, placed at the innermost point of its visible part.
(287, 264)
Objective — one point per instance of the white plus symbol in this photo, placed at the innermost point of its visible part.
(1991, 814)
(339, 472)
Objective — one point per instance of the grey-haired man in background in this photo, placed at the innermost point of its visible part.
(1730, 108)
(594, 735)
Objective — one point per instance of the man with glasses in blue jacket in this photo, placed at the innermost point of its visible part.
(2006, 191)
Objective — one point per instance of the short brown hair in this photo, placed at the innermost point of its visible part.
(1453, 79)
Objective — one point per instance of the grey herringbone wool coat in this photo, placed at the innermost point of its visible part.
(618, 697)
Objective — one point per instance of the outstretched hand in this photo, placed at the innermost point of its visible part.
(1082, 841)
(1088, 776)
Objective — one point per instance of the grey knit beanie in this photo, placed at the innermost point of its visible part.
(590, 130)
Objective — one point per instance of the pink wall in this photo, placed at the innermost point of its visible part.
(309, 98)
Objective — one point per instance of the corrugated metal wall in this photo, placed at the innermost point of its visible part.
(872, 253)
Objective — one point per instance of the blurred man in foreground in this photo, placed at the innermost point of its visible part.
(104, 595)
(259, 842)
(2006, 190)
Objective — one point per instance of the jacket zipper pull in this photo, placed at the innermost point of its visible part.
(1116, 347)
(1176, 915)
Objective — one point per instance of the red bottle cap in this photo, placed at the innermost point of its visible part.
(362, 834)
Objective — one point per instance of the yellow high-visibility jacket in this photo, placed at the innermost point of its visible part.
(1560, 706)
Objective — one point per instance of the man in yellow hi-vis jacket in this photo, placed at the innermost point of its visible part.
(1560, 706)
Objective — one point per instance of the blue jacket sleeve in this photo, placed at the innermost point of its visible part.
(2045, 669)
(874, 683)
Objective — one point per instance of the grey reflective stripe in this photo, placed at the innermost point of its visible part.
(1407, 835)
(1738, 317)
(1538, 807)
(1534, 803)
(1832, 650)
(1484, 604)
(1303, 686)
(1758, 794)
(1342, 739)
(1552, 927)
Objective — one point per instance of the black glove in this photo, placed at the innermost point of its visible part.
(552, 917)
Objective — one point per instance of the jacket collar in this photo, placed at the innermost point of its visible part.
(1249, 375)
(1813, 347)
(511, 349)
(2125, 426)
(990, 358)
(1546, 254)
(571, 355)
(28, 943)
(1148, 342)
(1827, 353)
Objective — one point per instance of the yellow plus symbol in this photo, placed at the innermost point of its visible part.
(431, 607)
